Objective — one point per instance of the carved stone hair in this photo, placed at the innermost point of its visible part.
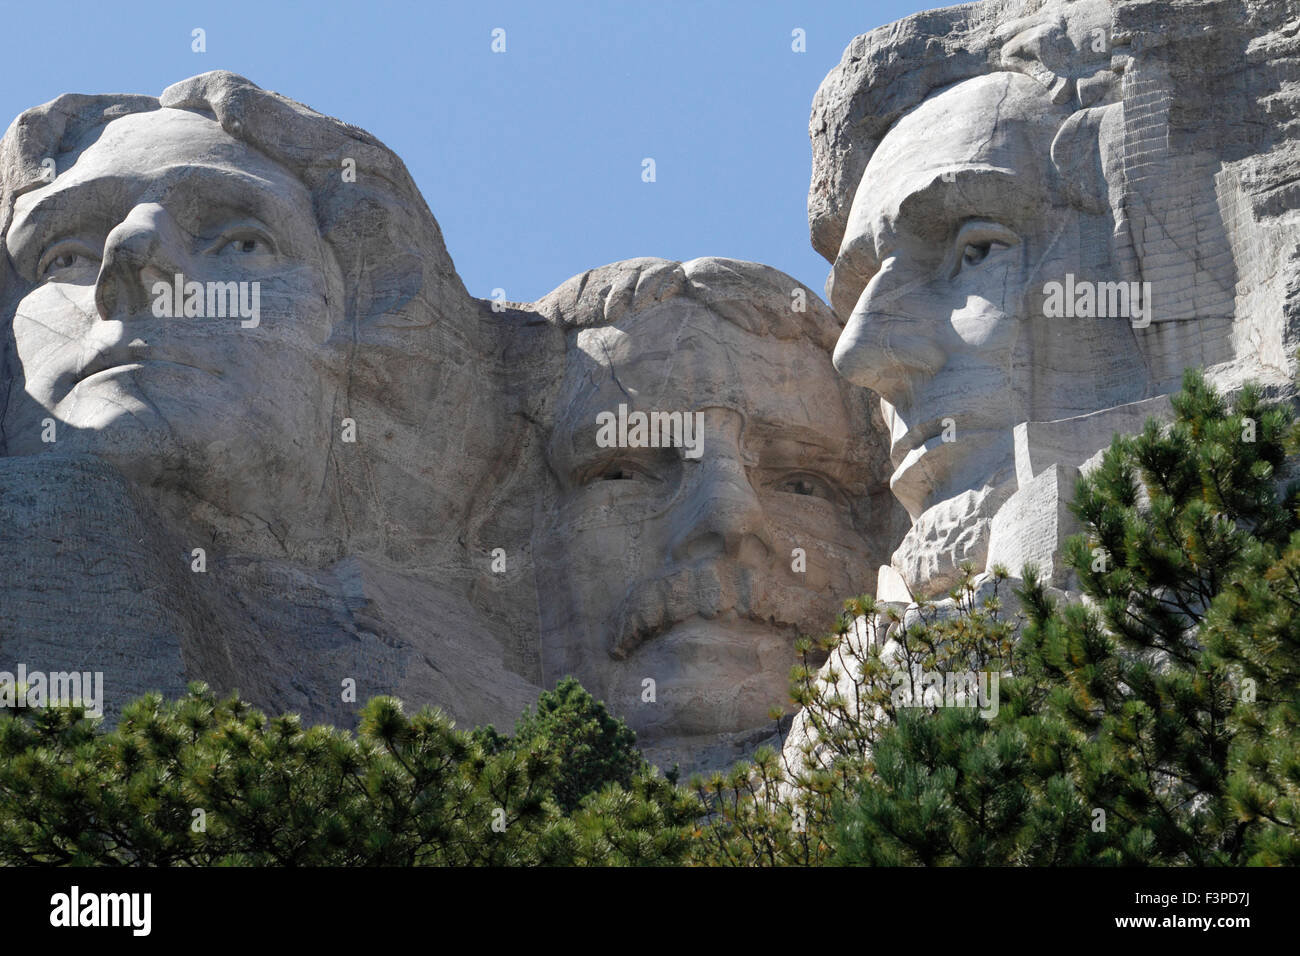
(377, 223)
(1063, 44)
(757, 298)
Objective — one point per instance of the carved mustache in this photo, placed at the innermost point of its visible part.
(715, 590)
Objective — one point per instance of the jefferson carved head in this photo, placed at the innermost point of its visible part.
(230, 406)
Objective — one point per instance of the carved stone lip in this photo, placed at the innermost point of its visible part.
(915, 437)
(122, 356)
(627, 642)
(938, 469)
(920, 470)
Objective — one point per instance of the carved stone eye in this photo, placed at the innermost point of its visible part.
(244, 242)
(245, 246)
(977, 252)
(978, 240)
(806, 485)
(72, 256)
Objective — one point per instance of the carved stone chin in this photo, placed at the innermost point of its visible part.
(946, 537)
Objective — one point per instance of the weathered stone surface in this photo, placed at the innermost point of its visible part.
(948, 536)
(673, 582)
(1039, 213)
(891, 588)
(1031, 526)
(346, 443)
(396, 488)
(82, 550)
(1071, 441)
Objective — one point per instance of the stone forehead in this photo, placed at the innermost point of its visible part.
(988, 119)
(304, 141)
(141, 143)
(388, 244)
(685, 345)
(695, 361)
(887, 72)
(1001, 121)
(966, 112)
(164, 128)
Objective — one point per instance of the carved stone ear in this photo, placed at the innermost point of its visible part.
(1077, 156)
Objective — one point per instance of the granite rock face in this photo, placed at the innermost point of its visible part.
(1039, 213)
(246, 383)
(674, 580)
(257, 433)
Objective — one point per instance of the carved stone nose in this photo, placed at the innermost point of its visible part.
(889, 342)
(136, 255)
(723, 517)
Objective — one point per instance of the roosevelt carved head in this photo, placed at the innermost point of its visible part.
(695, 564)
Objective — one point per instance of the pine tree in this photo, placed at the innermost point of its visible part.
(774, 811)
(202, 781)
(591, 747)
(1128, 727)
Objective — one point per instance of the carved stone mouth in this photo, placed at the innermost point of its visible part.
(915, 437)
(114, 356)
(93, 368)
(626, 642)
(133, 356)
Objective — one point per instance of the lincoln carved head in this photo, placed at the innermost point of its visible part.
(967, 183)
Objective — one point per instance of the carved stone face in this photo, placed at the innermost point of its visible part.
(655, 565)
(952, 235)
(236, 414)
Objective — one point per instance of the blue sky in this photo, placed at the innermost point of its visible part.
(531, 159)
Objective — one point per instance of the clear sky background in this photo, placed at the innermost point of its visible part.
(531, 159)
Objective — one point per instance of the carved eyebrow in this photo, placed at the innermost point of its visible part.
(780, 444)
(80, 202)
(252, 196)
(860, 253)
(251, 192)
(928, 212)
(975, 191)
